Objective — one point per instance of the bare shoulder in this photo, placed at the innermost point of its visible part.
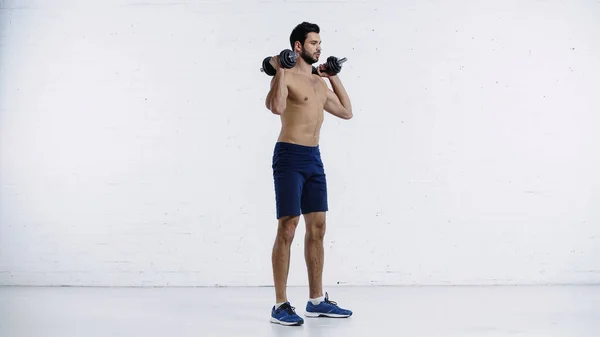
(320, 80)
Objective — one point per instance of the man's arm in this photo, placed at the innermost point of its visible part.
(338, 102)
(276, 100)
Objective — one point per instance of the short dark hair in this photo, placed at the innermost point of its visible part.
(301, 31)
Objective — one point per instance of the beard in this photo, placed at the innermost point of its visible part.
(308, 58)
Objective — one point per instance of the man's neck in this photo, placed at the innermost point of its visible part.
(303, 67)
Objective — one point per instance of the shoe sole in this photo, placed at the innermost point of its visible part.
(318, 314)
(276, 321)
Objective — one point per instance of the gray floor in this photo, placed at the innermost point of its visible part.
(570, 311)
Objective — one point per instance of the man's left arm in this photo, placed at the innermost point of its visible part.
(338, 102)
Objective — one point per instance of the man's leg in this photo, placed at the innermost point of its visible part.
(318, 305)
(314, 252)
(288, 189)
(281, 255)
(314, 205)
(283, 312)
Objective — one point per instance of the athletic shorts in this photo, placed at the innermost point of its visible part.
(299, 176)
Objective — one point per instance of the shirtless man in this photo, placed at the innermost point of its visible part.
(299, 98)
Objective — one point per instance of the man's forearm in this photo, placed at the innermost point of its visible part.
(340, 91)
(277, 96)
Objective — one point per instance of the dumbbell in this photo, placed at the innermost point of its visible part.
(334, 65)
(287, 58)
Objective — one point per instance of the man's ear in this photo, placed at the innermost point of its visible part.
(297, 46)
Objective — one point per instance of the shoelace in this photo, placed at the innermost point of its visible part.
(288, 308)
(328, 301)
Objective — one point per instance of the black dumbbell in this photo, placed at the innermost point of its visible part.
(334, 65)
(287, 58)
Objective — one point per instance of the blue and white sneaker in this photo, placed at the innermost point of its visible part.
(285, 315)
(326, 308)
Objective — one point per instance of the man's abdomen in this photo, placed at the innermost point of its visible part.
(304, 129)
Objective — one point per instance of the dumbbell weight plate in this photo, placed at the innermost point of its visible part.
(335, 65)
(267, 68)
(288, 58)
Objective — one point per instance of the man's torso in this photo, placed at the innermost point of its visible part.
(303, 117)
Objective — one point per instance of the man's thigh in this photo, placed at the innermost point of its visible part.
(314, 195)
(289, 185)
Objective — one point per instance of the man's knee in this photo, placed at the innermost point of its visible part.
(287, 228)
(316, 227)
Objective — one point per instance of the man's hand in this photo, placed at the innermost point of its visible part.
(322, 71)
(275, 62)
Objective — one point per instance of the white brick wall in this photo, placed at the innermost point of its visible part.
(136, 149)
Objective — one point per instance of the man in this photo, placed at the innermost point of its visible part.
(299, 98)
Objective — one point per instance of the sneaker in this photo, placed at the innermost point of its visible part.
(285, 315)
(326, 308)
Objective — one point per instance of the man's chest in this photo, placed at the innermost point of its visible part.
(307, 90)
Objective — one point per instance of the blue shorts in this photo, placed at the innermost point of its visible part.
(299, 176)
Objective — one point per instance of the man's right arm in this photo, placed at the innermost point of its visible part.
(276, 100)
